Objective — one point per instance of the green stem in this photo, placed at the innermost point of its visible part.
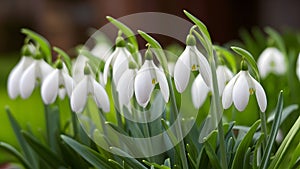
(219, 110)
(264, 127)
(178, 130)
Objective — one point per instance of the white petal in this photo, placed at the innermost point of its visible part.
(260, 96)
(163, 84)
(223, 76)
(199, 91)
(107, 64)
(204, 68)
(27, 81)
(45, 68)
(15, 75)
(68, 83)
(50, 87)
(125, 86)
(240, 92)
(79, 95)
(182, 70)
(78, 68)
(227, 93)
(62, 93)
(143, 87)
(100, 96)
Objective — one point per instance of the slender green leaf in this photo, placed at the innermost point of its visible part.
(44, 44)
(71, 157)
(17, 154)
(127, 158)
(283, 154)
(213, 158)
(155, 165)
(273, 133)
(66, 58)
(87, 153)
(257, 156)
(26, 150)
(126, 30)
(115, 164)
(246, 161)
(53, 127)
(249, 58)
(285, 113)
(44, 153)
(243, 146)
(201, 26)
(157, 49)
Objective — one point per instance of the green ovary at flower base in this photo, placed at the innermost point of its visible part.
(239, 89)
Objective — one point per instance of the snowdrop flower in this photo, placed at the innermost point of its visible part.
(119, 60)
(240, 87)
(58, 82)
(17, 72)
(126, 84)
(89, 86)
(146, 79)
(190, 60)
(298, 67)
(271, 60)
(199, 91)
(36, 72)
(223, 76)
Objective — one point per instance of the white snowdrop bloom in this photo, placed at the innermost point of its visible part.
(89, 86)
(223, 76)
(239, 89)
(190, 60)
(36, 72)
(298, 67)
(271, 60)
(146, 79)
(57, 83)
(15, 76)
(199, 91)
(119, 60)
(125, 86)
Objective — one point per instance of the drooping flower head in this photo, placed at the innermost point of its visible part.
(190, 60)
(89, 86)
(119, 60)
(17, 72)
(240, 87)
(33, 75)
(57, 83)
(146, 79)
(271, 60)
(125, 87)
